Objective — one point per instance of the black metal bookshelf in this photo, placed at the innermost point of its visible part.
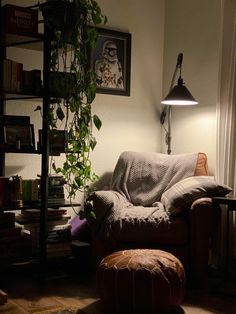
(42, 43)
(2, 105)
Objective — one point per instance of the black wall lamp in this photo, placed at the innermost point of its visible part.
(178, 95)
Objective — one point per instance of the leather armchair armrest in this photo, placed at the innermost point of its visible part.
(102, 204)
(105, 202)
(202, 218)
(201, 201)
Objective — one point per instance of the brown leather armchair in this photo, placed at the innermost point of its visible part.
(187, 235)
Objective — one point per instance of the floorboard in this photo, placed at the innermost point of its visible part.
(78, 290)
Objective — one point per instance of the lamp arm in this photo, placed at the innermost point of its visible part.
(164, 111)
(178, 66)
(167, 108)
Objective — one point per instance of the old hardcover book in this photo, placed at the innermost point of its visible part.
(30, 190)
(35, 213)
(23, 220)
(19, 20)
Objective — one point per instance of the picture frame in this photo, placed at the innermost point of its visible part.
(111, 62)
(19, 136)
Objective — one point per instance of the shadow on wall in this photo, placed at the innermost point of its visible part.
(12, 170)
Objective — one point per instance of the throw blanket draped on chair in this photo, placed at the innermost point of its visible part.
(142, 177)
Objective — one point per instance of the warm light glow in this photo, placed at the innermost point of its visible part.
(179, 102)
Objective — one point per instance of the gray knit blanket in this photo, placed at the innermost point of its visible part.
(142, 177)
(138, 181)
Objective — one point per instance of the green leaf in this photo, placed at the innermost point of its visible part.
(38, 108)
(79, 165)
(97, 122)
(54, 166)
(93, 143)
(91, 93)
(71, 158)
(60, 113)
(96, 19)
(66, 166)
(91, 214)
(78, 181)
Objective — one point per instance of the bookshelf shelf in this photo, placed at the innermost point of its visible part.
(20, 263)
(26, 42)
(37, 205)
(11, 89)
(8, 150)
(7, 95)
(17, 88)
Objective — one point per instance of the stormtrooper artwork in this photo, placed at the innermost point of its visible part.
(108, 69)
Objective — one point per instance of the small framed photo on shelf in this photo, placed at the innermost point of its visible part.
(57, 142)
(111, 60)
(19, 136)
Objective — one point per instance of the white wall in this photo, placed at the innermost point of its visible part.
(129, 123)
(193, 28)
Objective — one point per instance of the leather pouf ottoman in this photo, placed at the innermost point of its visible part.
(140, 281)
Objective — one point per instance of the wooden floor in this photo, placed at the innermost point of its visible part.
(77, 290)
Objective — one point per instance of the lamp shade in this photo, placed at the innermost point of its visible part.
(179, 96)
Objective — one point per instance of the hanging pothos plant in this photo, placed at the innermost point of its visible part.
(69, 23)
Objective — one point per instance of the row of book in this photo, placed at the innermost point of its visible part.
(15, 79)
(31, 189)
(16, 192)
(20, 20)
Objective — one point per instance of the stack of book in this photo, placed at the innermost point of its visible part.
(14, 246)
(59, 241)
(59, 230)
(56, 189)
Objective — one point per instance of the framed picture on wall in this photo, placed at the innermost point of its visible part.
(111, 62)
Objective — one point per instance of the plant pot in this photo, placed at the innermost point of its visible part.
(63, 16)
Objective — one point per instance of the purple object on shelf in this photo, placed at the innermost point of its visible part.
(80, 229)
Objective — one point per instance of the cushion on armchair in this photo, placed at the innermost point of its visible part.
(182, 194)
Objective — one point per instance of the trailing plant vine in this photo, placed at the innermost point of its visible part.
(69, 23)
